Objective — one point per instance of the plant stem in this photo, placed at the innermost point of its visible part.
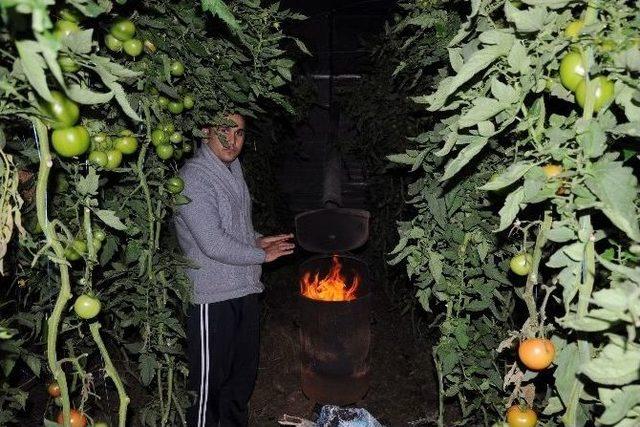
(112, 373)
(532, 278)
(64, 295)
(440, 391)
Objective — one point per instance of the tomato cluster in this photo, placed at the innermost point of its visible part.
(573, 75)
(107, 151)
(67, 138)
(168, 142)
(78, 247)
(121, 37)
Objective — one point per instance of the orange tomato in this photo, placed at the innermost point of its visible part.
(536, 353)
(54, 389)
(77, 418)
(552, 170)
(517, 417)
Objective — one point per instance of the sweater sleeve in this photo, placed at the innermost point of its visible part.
(202, 219)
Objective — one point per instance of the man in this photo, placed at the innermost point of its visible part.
(216, 232)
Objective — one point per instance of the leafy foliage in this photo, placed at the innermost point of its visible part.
(136, 272)
(502, 93)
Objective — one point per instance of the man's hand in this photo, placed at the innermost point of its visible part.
(276, 246)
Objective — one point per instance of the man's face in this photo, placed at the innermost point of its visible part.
(234, 137)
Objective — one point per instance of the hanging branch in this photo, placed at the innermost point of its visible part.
(64, 294)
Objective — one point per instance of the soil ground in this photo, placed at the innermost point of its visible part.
(403, 386)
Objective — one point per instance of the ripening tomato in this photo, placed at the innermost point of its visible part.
(175, 185)
(54, 389)
(63, 112)
(159, 137)
(164, 151)
(176, 68)
(574, 28)
(149, 46)
(112, 43)
(64, 28)
(603, 90)
(71, 141)
(552, 170)
(176, 107)
(114, 159)
(518, 417)
(98, 158)
(123, 29)
(132, 47)
(87, 306)
(572, 70)
(536, 353)
(521, 264)
(77, 418)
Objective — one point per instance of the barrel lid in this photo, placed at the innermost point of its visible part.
(332, 230)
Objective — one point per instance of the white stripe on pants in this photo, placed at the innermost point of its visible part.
(204, 360)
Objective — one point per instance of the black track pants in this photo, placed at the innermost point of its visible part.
(224, 344)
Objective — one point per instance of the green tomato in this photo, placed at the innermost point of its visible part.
(97, 245)
(159, 137)
(521, 264)
(186, 147)
(100, 424)
(114, 159)
(176, 107)
(112, 43)
(98, 158)
(176, 137)
(164, 151)
(175, 185)
(126, 144)
(188, 102)
(71, 255)
(132, 47)
(603, 92)
(67, 64)
(71, 141)
(80, 246)
(572, 70)
(608, 46)
(86, 306)
(64, 28)
(176, 68)
(123, 29)
(573, 30)
(101, 141)
(99, 235)
(63, 112)
(163, 101)
(168, 128)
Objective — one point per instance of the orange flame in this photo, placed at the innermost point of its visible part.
(333, 287)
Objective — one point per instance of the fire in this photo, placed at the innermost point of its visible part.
(333, 287)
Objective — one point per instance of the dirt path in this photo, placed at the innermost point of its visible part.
(403, 389)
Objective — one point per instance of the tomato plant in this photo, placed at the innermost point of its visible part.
(135, 267)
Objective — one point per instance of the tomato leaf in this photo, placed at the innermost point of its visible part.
(110, 219)
(511, 208)
(513, 173)
(88, 185)
(620, 403)
(464, 157)
(79, 41)
(615, 365)
(33, 65)
(220, 9)
(619, 205)
(84, 95)
(147, 365)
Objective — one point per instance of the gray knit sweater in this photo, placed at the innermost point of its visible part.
(215, 230)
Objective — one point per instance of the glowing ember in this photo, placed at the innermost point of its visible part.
(333, 287)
